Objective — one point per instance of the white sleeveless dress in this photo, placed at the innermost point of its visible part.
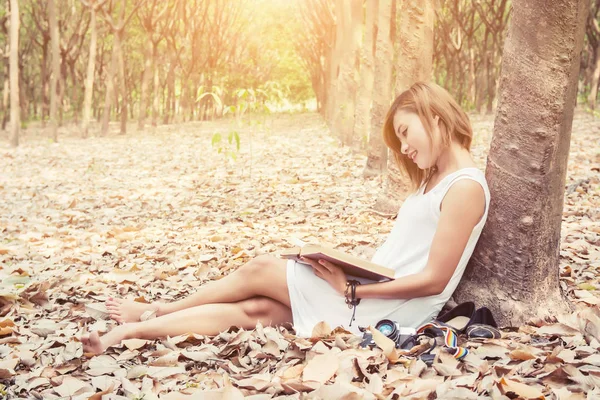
(406, 250)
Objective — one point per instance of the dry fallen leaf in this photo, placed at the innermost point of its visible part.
(321, 368)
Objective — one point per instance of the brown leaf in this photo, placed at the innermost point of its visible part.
(293, 372)
(70, 386)
(387, 345)
(7, 368)
(521, 354)
(320, 330)
(134, 344)
(321, 368)
(589, 322)
(521, 389)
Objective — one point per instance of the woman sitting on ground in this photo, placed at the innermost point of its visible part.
(429, 246)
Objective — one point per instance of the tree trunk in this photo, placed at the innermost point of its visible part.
(156, 86)
(334, 66)
(492, 77)
(15, 120)
(89, 80)
(110, 88)
(146, 81)
(415, 63)
(592, 97)
(75, 100)
(55, 73)
(122, 84)
(168, 116)
(44, 78)
(362, 111)
(415, 58)
(485, 62)
(5, 94)
(515, 267)
(382, 90)
(351, 16)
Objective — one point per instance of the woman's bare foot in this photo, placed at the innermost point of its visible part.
(128, 310)
(92, 343)
(95, 344)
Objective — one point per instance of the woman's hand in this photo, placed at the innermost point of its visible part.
(330, 272)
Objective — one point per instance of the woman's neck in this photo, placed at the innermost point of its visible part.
(454, 158)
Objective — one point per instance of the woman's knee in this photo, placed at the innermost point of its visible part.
(258, 265)
(257, 307)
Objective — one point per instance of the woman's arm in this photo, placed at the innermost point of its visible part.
(462, 208)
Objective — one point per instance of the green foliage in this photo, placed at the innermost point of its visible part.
(229, 148)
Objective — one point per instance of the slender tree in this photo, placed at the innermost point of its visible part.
(150, 16)
(91, 65)
(55, 73)
(382, 90)
(515, 267)
(349, 16)
(593, 36)
(117, 63)
(362, 111)
(15, 120)
(414, 63)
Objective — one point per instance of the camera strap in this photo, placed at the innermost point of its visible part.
(450, 338)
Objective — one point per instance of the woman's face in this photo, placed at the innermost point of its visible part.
(414, 141)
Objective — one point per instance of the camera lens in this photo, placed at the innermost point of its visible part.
(388, 328)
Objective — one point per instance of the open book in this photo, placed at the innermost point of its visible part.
(350, 264)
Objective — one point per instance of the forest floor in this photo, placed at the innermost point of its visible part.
(155, 214)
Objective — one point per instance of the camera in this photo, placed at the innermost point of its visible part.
(391, 330)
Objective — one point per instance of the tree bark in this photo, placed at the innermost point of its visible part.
(362, 111)
(168, 114)
(122, 85)
(592, 97)
(334, 67)
(349, 20)
(515, 267)
(156, 86)
(110, 85)
(382, 90)
(44, 78)
(147, 74)
(15, 120)
(415, 63)
(55, 73)
(89, 80)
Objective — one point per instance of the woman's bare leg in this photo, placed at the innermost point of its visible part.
(208, 319)
(262, 276)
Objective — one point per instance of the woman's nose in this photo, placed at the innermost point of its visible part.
(404, 148)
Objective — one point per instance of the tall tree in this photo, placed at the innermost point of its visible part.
(91, 65)
(515, 267)
(382, 90)
(349, 17)
(314, 43)
(55, 73)
(150, 16)
(593, 37)
(15, 120)
(362, 111)
(117, 63)
(414, 63)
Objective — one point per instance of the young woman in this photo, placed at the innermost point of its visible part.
(429, 246)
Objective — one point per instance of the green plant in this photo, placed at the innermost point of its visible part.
(230, 147)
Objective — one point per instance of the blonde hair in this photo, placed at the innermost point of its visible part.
(427, 100)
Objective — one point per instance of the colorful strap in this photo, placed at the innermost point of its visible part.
(450, 339)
